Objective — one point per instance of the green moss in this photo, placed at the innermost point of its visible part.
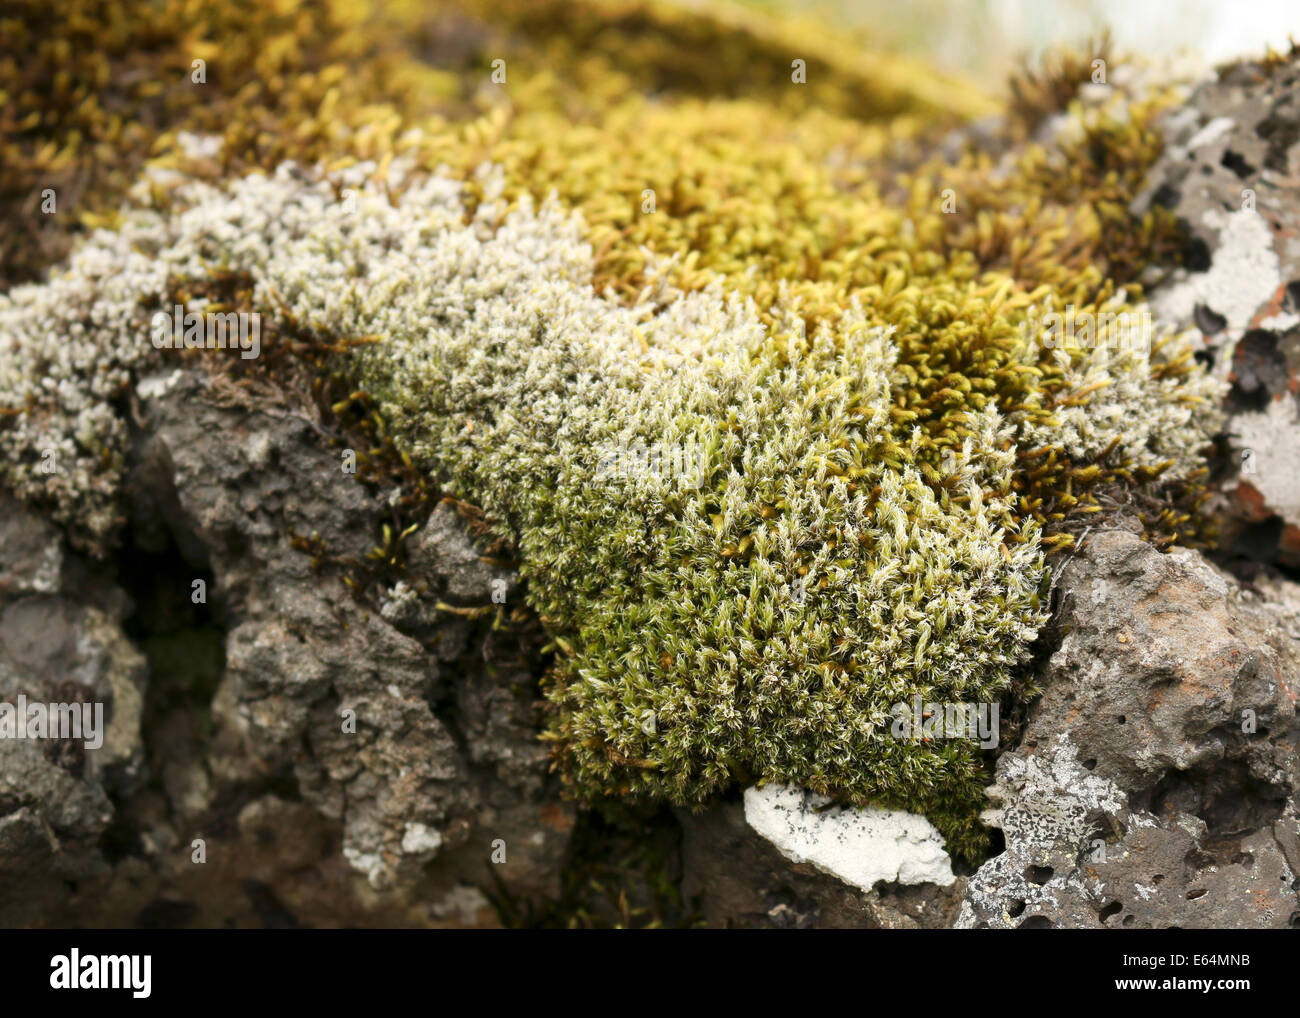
(831, 326)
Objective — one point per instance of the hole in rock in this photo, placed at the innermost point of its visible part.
(1230, 799)
(1259, 369)
(1236, 162)
(1196, 255)
(1039, 874)
(1208, 320)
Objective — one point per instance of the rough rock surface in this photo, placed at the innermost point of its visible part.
(1156, 781)
(227, 712)
(1230, 174)
(61, 641)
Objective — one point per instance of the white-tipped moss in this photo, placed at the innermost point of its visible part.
(754, 616)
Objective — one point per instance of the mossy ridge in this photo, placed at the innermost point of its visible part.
(619, 47)
(688, 658)
(742, 177)
(507, 374)
(517, 377)
(796, 211)
(93, 88)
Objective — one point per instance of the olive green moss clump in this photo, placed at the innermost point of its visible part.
(752, 617)
(756, 613)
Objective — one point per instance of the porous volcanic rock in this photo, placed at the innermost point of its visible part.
(1155, 784)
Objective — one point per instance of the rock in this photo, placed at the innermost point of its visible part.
(1228, 174)
(444, 549)
(61, 642)
(33, 551)
(862, 847)
(737, 878)
(465, 905)
(231, 701)
(271, 819)
(1156, 779)
(1176, 816)
(301, 651)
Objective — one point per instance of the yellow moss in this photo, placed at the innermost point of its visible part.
(820, 192)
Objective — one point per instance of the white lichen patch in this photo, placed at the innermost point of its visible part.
(1243, 276)
(465, 904)
(1055, 796)
(1210, 133)
(420, 839)
(1045, 804)
(1273, 436)
(861, 847)
(73, 346)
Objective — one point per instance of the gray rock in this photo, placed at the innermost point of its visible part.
(60, 642)
(1228, 173)
(33, 551)
(445, 549)
(302, 652)
(303, 819)
(1155, 783)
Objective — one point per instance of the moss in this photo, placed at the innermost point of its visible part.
(92, 90)
(837, 329)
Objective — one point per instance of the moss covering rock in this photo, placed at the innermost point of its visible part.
(756, 387)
